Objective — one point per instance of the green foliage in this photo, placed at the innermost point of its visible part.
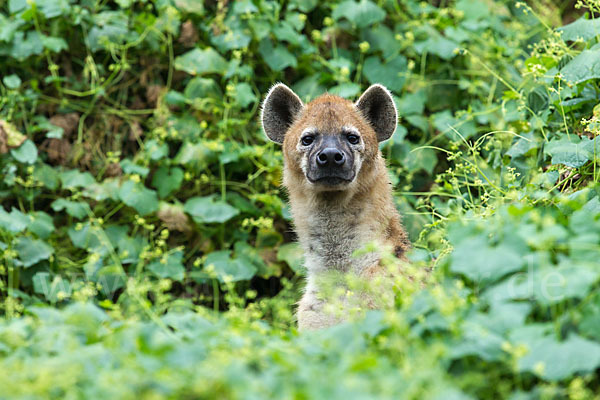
(145, 241)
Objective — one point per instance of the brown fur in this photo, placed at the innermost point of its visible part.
(332, 224)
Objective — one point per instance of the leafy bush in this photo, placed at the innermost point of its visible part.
(146, 244)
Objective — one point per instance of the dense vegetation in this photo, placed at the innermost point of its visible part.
(146, 244)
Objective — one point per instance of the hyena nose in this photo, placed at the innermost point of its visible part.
(330, 157)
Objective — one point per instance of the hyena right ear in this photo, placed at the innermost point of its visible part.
(377, 106)
(279, 109)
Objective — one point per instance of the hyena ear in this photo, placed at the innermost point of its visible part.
(378, 108)
(279, 109)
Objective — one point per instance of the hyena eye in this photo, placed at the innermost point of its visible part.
(307, 140)
(353, 139)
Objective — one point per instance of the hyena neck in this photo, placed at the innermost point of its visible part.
(332, 226)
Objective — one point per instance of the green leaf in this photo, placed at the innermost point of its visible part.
(305, 5)
(54, 44)
(111, 278)
(90, 238)
(206, 210)
(346, 90)
(26, 153)
(547, 284)
(8, 27)
(228, 269)
(15, 221)
(130, 248)
(308, 88)
(190, 6)
(107, 189)
(14, 6)
(391, 74)
(73, 179)
(156, 150)
(473, 9)
(12, 81)
(412, 103)
(293, 255)
(412, 157)
(167, 180)
(456, 34)
(196, 155)
(53, 131)
(420, 158)
(382, 38)
(129, 167)
(284, 31)
(590, 323)
(32, 251)
(277, 58)
(110, 27)
(169, 266)
(47, 175)
(137, 196)
(24, 47)
(50, 289)
(479, 341)
(229, 154)
(251, 254)
(438, 45)
(232, 39)
(174, 98)
(54, 8)
(582, 68)
(201, 88)
(477, 260)
(522, 145)
(573, 152)
(244, 7)
(362, 13)
(244, 94)
(76, 209)
(538, 99)
(199, 62)
(42, 225)
(585, 29)
(41, 284)
(553, 360)
(168, 21)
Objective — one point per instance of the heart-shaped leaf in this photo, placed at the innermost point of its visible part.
(199, 62)
(136, 195)
(391, 74)
(206, 210)
(361, 13)
(169, 266)
(32, 251)
(166, 180)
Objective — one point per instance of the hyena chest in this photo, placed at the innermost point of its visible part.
(333, 240)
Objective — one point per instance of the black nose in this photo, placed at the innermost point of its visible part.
(330, 157)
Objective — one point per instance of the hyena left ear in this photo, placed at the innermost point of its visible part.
(378, 108)
(280, 108)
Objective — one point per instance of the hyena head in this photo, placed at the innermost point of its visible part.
(329, 144)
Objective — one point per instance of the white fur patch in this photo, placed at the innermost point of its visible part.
(302, 150)
(351, 128)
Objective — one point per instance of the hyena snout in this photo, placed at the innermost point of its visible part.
(330, 157)
(331, 162)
